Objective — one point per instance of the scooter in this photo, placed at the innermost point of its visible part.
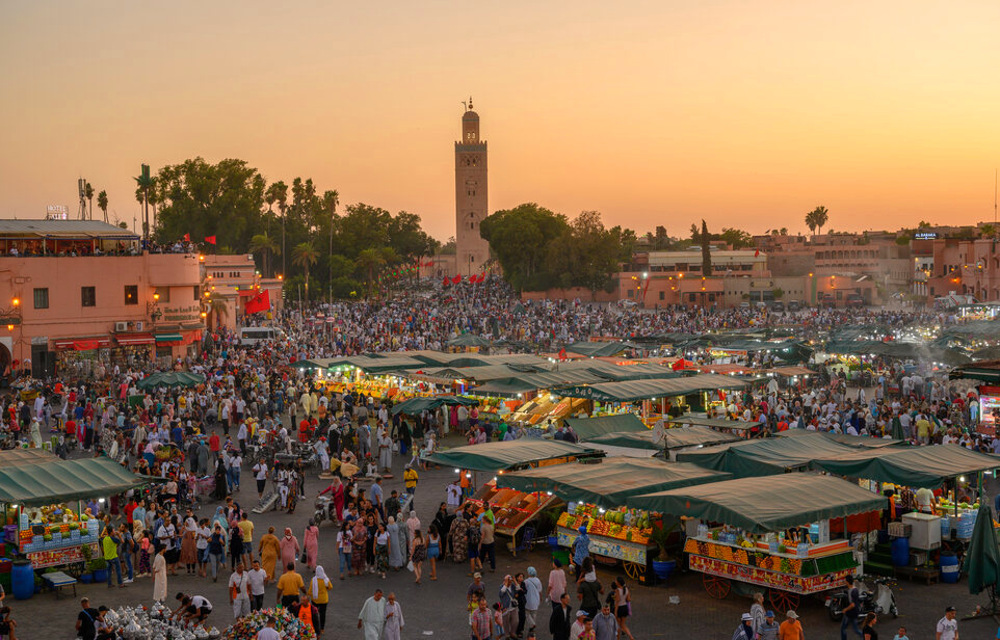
(325, 510)
(880, 601)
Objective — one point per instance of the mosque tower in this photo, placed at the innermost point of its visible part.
(471, 203)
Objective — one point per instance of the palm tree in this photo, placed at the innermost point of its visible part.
(217, 309)
(305, 256)
(281, 196)
(102, 203)
(89, 192)
(816, 219)
(330, 201)
(267, 246)
(370, 260)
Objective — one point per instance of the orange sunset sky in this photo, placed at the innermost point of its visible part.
(743, 113)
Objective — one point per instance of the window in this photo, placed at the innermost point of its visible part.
(163, 293)
(131, 294)
(197, 292)
(42, 298)
(662, 295)
(88, 296)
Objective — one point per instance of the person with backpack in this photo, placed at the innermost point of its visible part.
(474, 536)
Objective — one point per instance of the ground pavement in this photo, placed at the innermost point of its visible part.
(437, 609)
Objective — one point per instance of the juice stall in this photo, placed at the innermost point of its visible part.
(771, 532)
(596, 491)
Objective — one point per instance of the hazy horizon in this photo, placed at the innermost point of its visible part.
(745, 114)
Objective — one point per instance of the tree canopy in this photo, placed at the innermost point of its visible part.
(232, 201)
(539, 249)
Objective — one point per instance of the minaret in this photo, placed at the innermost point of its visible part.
(471, 204)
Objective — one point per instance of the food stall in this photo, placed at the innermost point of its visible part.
(596, 491)
(496, 459)
(771, 532)
(46, 520)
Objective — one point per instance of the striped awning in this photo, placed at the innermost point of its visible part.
(134, 339)
(82, 344)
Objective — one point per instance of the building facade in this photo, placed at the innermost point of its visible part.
(77, 292)
(229, 282)
(471, 197)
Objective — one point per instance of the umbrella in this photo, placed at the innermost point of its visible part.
(982, 561)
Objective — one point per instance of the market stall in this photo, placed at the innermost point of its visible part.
(512, 509)
(597, 492)
(771, 532)
(45, 518)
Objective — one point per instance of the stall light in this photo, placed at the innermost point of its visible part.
(101, 500)
(548, 493)
(494, 478)
(961, 479)
(468, 475)
(458, 471)
(600, 510)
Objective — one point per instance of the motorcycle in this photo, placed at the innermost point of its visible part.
(325, 510)
(880, 601)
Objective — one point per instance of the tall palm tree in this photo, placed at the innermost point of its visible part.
(330, 201)
(102, 203)
(305, 256)
(89, 192)
(370, 260)
(816, 219)
(267, 246)
(281, 196)
(217, 309)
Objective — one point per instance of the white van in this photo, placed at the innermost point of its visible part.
(250, 336)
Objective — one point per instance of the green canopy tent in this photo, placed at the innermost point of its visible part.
(416, 406)
(627, 439)
(632, 390)
(765, 504)
(909, 466)
(499, 456)
(610, 481)
(45, 483)
(672, 439)
(171, 379)
(715, 423)
(589, 428)
(982, 560)
(599, 349)
(766, 456)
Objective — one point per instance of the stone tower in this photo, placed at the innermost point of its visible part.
(471, 204)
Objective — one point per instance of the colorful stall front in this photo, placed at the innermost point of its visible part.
(772, 532)
(597, 492)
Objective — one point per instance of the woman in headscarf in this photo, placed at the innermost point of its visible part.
(310, 540)
(160, 576)
(359, 546)
(319, 592)
(220, 518)
(220, 479)
(189, 547)
(396, 551)
(412, 525)
(336, 491)
(459, 540)
(269, 549)
(289, 548)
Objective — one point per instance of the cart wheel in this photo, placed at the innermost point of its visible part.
(717, 588)
(782, 601)
(634, 571)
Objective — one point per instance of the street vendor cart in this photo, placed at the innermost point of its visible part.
(597, 490)
(769, 532)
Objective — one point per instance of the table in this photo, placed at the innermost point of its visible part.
(58, 580)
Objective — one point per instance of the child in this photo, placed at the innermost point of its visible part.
(7, 625)
(901, 635)
(145, 549)
(498, 619)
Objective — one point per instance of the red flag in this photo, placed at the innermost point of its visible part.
(562, 353)
(446, 282)
(187, 237)
(473, 279)
(756, 253)
(482, 277)
(456, 279)
(210, 239)
(260, 302)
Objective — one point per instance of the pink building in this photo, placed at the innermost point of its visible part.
(233, 280)
(75, 293)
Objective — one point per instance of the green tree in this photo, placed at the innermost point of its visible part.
(706, 251)
(267, 247)
(305, 256)
(331, 199)
(736, 238)
(202, 199)
(370, 260)
(519, 239)
(102, 203)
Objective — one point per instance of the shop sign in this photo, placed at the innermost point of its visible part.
(59, 557)
(182, 313)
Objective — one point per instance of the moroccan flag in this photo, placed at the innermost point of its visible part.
(210, 239)
(473, 280)
(482, 277)
(187, 237)
(456, 279)
(260, 302)
(562, 353)
(446, 282)
(756, 253)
